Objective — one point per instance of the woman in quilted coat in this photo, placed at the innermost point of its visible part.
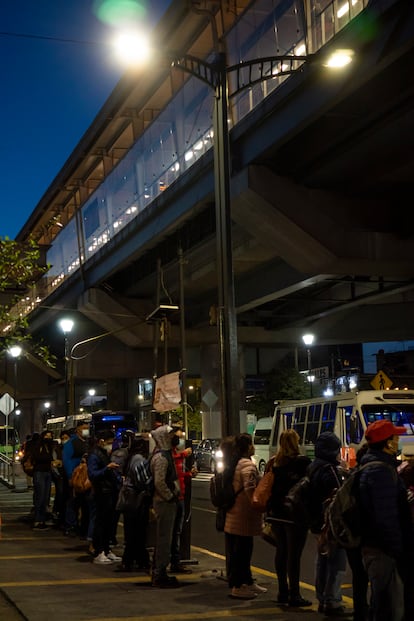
(243, 522)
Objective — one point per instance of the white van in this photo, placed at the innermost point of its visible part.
(262, 442)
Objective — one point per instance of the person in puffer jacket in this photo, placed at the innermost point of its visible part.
(326, 476)
(165, 499)
(243, 522)
(387, 532)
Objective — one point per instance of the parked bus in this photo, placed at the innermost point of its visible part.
(347, 415)
(57, 424)
(100, 420)
(11, 443)
(117, 422)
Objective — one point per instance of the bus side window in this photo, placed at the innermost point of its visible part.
(299, 422)
(328, 416)
(313, 423)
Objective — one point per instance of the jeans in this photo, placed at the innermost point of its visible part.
(330, 569)
(41, 494)
(165, 513)
(387, 591)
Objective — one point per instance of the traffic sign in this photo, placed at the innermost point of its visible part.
(7, 404)
(210, 398)
(381, 381)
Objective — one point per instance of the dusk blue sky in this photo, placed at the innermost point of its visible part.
(52, 90)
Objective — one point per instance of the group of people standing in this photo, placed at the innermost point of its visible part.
(92, 514)
(381, 566)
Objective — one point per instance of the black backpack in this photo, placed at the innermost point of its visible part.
(222, 493)
(342, 511)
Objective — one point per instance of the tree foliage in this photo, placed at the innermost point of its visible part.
(283, 382)
(20, 269)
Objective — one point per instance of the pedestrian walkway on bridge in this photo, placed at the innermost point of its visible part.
(47, 575)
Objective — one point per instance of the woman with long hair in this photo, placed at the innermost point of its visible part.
(243, 522)
(288, 467)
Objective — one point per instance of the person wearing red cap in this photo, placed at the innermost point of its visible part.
(387, 533)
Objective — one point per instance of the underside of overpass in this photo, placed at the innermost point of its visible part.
(321, 185)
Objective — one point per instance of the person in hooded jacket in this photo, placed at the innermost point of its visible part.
(326, 475)
(165, 499)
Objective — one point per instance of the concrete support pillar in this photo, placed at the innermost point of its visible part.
(210, 392)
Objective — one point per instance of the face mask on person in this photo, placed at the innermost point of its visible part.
(179, 443)
(85, 433)
(107, 448)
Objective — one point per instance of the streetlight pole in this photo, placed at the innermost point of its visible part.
(66, 326)
(92, 393)
(308, 340)
(215, 75)
(15, 353)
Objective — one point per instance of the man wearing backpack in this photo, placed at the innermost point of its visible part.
(326, 476)
(387, 533)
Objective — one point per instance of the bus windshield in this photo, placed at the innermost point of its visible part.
(117, 422)
(402, 415)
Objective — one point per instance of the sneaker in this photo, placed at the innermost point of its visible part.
(299, 602)
(102, 559)
(71, 532)
(256, 588)
(165, 582)
(40, 526)
(113, 557)
(336, 611)
(243, 592)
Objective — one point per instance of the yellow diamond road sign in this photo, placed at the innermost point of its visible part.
(381, 381)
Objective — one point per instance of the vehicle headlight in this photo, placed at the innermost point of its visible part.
(219, 453)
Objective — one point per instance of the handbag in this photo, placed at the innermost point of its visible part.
(268, 534)
(129, 499)
(263, 492)
(220, 519)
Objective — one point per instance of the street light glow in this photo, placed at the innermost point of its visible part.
(66, 325)
(339, 59)
(15, 351)
(308, 339)
(132, 48)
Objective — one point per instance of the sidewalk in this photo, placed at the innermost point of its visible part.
(47, 574)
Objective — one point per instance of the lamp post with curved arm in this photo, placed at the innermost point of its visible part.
(215, 75)
(66, 326)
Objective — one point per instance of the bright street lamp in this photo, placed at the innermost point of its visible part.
(215, 75)
(308, 340)
(66, 326)
(15, 352)
(92, 393)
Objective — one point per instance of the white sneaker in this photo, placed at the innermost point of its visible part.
(256, 588)
(113, 557)
(243, 592)
(102, 559)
